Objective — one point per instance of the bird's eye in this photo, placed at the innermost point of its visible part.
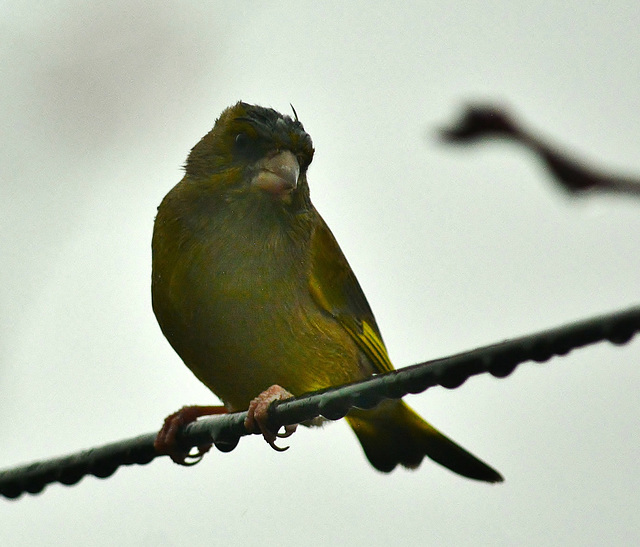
(242, 141)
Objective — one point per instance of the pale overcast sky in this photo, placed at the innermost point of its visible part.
(455, 248)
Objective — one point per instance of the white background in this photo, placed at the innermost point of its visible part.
(455, 248)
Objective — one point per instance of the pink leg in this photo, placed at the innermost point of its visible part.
(166, 441)
(258, 415)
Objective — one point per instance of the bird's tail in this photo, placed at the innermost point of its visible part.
(393, 434)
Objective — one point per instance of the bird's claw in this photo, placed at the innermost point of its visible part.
(258, 414)
(289, 430)
(190, 458)
(167, 439)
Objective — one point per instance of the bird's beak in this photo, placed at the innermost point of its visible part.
(278, 174)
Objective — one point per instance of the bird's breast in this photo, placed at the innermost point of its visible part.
(242, 318)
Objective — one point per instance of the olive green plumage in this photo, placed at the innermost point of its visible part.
(251, 288)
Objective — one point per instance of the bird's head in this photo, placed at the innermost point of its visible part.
(253, 150)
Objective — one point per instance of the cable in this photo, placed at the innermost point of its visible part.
(224, 431)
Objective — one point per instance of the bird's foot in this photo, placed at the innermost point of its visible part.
(167, 440)
(258, 414)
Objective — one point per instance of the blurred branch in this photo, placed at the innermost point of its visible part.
(572, 174)
(225, 431)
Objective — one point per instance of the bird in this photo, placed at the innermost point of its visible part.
(252, 290)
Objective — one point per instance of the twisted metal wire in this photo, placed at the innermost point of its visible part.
(224, 431)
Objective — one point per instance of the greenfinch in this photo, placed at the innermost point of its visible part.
(253, 292)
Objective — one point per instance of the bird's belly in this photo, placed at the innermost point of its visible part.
(239, 343)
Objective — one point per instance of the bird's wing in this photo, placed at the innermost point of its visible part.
(336, 290)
